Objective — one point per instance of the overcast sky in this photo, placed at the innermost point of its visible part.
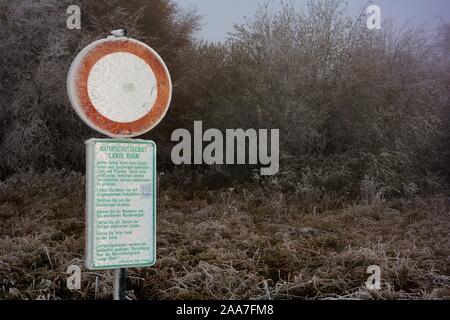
(220, 15)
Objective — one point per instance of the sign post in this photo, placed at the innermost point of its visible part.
(120, 87)
(119, 286)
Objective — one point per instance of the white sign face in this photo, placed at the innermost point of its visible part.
(121, 204)
(117, 93)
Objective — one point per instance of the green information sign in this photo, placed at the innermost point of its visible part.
(121, 204)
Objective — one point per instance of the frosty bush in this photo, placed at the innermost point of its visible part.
(350, 102)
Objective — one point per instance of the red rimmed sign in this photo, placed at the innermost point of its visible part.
(120, 87)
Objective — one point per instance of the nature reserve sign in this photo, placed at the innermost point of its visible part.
(121, 204)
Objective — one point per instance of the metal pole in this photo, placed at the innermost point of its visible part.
(119, 287)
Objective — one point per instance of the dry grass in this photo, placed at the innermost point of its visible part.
(242, 243)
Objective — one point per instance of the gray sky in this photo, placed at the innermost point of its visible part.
(220, 15)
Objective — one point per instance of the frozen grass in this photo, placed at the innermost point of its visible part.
(242, 243)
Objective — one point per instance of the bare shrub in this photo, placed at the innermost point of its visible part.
(349, 101)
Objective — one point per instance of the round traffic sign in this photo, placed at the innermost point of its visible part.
(120, 87)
